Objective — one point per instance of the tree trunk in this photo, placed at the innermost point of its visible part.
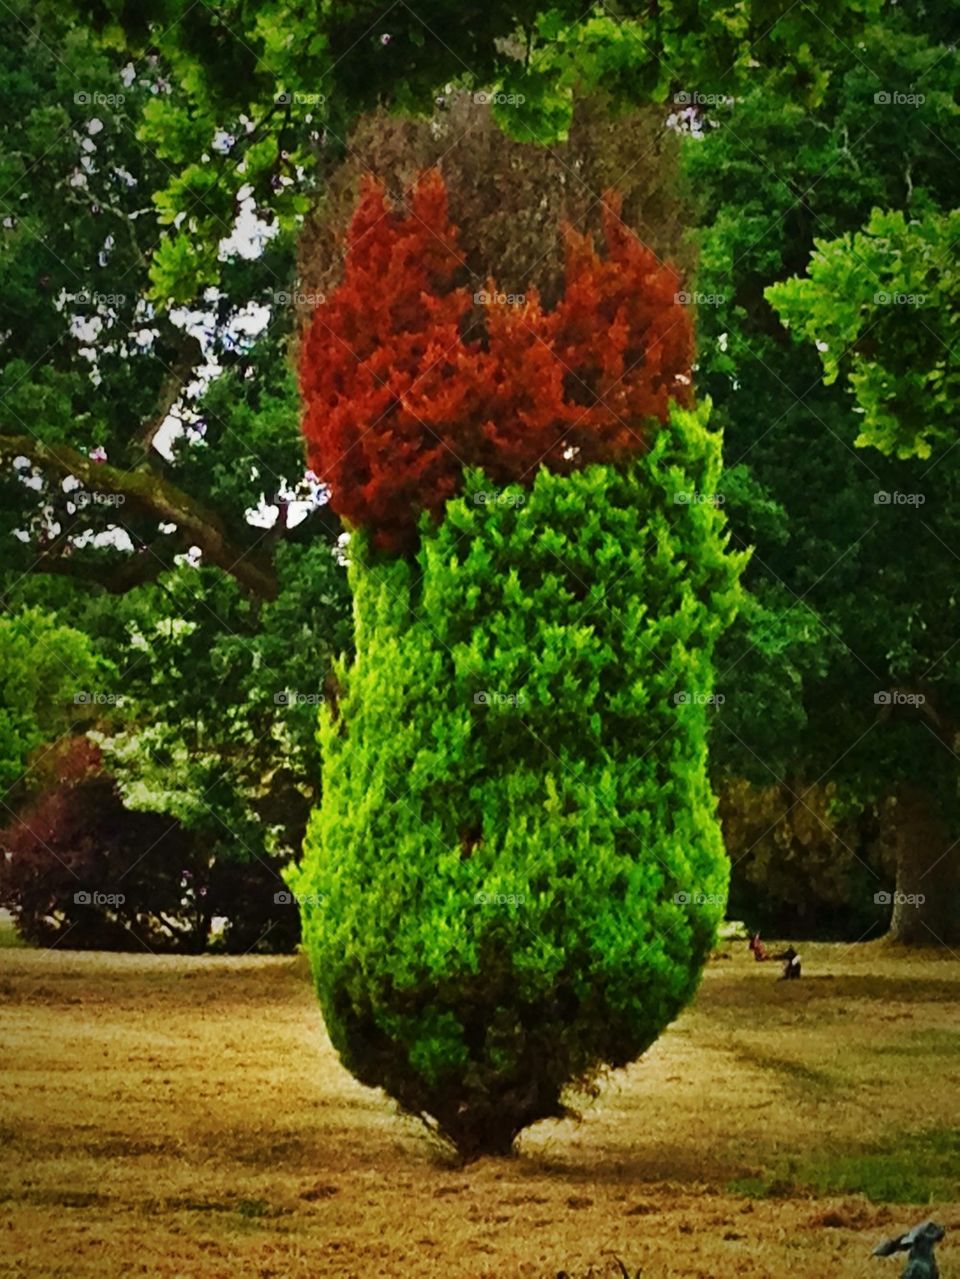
(926, 907)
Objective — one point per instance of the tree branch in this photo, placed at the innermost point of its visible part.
(155, 495)
(189, 355)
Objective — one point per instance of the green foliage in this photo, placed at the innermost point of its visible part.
(218, 722)
(255, 100)
(801, 866)
(840, 613)
(48, 672)
(883, 307)
(516, 872)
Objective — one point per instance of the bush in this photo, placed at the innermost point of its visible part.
(80, 869)
(516, 872)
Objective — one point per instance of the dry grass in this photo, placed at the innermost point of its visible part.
(180, 1118)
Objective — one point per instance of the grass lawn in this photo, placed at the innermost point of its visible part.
(187, 1118)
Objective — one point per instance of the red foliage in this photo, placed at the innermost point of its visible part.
(406, 382)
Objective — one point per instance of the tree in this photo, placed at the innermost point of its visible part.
(112, 402)
(82, 870)
(515, 873)
(803, 869)
(882, 306)
(48, 673)
(254, 106)
(841, 667)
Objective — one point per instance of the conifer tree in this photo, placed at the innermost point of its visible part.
(516, 872)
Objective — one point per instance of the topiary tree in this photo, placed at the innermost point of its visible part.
(516, 872)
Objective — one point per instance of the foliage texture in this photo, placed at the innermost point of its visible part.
(401, 397)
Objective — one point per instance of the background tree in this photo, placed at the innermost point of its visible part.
(47, 671)
(850, 595)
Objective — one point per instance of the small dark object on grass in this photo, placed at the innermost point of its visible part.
(791, 964)
(760, 952)
(919, 1243)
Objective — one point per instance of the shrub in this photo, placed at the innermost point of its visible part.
(80, 869)
(516, 872)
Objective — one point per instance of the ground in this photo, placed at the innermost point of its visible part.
(187, 1119)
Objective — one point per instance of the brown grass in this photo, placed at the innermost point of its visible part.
(178, 1118)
